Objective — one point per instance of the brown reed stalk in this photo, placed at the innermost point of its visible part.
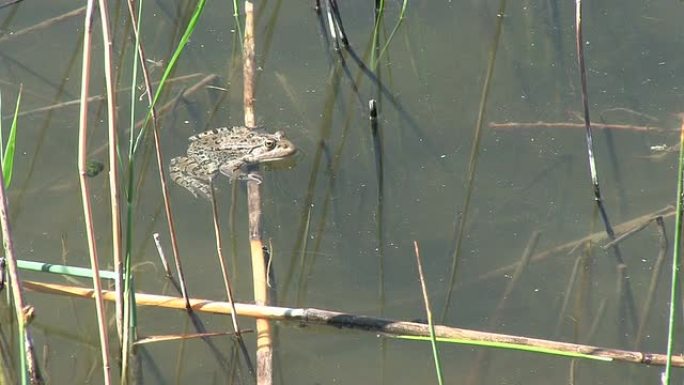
(22, 311)
(85, 191)
(348, 321)
(113, 143)
(428, 312)
(264, 352)
(160, 158)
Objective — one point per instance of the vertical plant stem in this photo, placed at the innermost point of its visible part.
(85, 191)
(264, 352)
(248, 66)
(113, 160)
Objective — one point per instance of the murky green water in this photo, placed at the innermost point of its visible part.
(527, 179)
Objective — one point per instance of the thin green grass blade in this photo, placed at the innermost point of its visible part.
(676, 250)
(509, 346)
(8, 155)
(129, 309)
(2, 151)
(172, 63)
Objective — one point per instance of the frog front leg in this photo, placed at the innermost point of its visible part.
(233, 170)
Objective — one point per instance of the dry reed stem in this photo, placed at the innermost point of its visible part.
(85, 192)
(339, 320)
(264, 352)
(428, 311)
(22, 311)
(160, 158)
(222, 261)
(113, 143)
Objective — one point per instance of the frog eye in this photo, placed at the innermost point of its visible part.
(270, 143)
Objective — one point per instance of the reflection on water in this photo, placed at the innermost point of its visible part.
(339, 239)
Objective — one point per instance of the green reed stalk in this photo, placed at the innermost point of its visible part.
(402, 16)
(675, 258)
(128, 316)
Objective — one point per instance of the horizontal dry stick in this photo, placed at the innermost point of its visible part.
(540, 124)
(358, 322)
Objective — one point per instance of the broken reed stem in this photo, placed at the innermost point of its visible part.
(264, 349)
(628, 298)
(160, 158)
(114, 187)
(85, 192)
(339, 320)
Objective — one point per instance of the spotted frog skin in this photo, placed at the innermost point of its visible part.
(227, 151)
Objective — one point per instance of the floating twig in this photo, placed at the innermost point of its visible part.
(374, 325)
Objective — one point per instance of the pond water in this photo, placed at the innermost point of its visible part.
(342, 238)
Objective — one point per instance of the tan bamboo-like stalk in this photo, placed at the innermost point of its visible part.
(339, 320)
(113, 159)
(20, 308)
(85, 191)
(264, 350)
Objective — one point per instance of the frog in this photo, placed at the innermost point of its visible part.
(227, 151)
